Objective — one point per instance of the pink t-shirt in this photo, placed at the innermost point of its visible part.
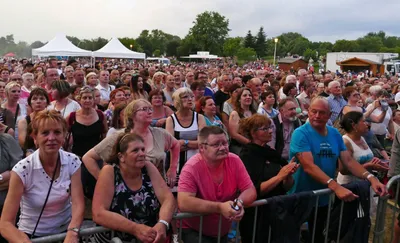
(196, 178)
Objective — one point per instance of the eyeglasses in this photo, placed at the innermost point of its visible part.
(264, 129)
(356, 94)
(217, 145)
(16, 79)
(145, 109)
(187, 97)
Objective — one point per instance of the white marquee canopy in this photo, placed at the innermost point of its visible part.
(115, 49)
(60, 46)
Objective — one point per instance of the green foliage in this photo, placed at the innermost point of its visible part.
(249, 40)
(209, 31)
(309, 53)
(157, 53)
(232, 46)
(260, 44)
(246, 54)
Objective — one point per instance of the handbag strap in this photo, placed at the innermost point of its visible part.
(47, 197)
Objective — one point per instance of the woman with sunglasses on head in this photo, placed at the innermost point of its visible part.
(131, 197)
(38, 100)
(137, 119)
(48, 169)
(356, 127)
(270, 173)
(86, 127)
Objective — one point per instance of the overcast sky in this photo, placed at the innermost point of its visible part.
(318, 20)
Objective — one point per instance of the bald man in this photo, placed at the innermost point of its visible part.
(318, 148)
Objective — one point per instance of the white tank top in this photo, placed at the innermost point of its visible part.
(186, 133)
(361, 155)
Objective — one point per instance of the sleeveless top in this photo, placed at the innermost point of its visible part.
(186, 133)
(85, 137)
(140, 206)
(361, 155)
(217, 122)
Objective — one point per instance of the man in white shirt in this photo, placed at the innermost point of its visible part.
(104, 88)
(305, 96)
(189, 79)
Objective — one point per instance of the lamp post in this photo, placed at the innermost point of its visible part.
(276, 42)
(131, 46)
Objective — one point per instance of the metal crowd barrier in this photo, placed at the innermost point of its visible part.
(380, 222)
(378, 233)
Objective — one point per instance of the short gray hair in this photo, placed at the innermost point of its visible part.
(333, 83)
(27, 75)
(176, 97)
(290, 77)
(375, 90)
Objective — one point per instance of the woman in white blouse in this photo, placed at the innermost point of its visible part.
(48, 169)
(60, 90)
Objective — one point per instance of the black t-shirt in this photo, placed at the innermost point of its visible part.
(323, 94)
(220, 97)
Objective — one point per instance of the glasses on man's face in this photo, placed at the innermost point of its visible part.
(217, 145)
(16, 79)
(145, 109)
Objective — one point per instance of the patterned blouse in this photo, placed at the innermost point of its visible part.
(140, 206)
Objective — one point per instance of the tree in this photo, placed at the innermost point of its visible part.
(172, 47)
(157, 53)
(370, 43)
(309, 53)
(232, 46)
(37, 44)
(144, 41)
(246, 54)
(260, 44)
(345, 46)
(127, 42)
(210, 30)
(249, 40)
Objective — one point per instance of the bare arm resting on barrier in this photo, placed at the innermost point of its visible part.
(11, 206)
(307, 162)
(359, 171)
(102, 199)
(78, 206)
(166, 199)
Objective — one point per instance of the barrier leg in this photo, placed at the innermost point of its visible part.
(315, 220)
(201, 229)
(340, 221)
(328, 219)
(380, 220)
(219, 228)
(255, 225)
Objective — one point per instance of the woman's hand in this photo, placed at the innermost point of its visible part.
(161, 231)
(376, 164)
(144, 233)
(161, 122)
(72, 237)
(171, 177)
(288, 169)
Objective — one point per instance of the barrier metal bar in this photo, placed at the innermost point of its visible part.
(340, 220)
(179, 216)
(381, 213)
(328, 218)
(237, 232)
(219, 228)
(201, 228)
(315, 220)
(61, 237)
(255, 225)
(394, 211)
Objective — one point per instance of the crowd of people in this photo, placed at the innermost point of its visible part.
(139, 142)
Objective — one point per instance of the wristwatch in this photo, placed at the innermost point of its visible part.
(186, 142)
(74, 229)
(164, 223)
(1, 177)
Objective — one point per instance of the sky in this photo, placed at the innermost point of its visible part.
(318, 20)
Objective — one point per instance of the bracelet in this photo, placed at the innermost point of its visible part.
(366, 172)
(164, 223)
(329, 181)
(240, 200)
(370, 176)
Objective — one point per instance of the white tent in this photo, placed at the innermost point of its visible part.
(115, 49)
(201, 55)
(60, 46)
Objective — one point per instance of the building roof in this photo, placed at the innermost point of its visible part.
(289, 60)
(351, 61)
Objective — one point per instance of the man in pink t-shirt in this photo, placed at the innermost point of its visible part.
(209, 183)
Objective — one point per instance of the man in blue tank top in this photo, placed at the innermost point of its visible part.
(317, 148)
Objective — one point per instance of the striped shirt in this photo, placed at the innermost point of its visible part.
(336, 103)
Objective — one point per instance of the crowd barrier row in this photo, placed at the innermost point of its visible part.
(378, 232)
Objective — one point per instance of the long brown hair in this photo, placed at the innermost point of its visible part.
(236, 103)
